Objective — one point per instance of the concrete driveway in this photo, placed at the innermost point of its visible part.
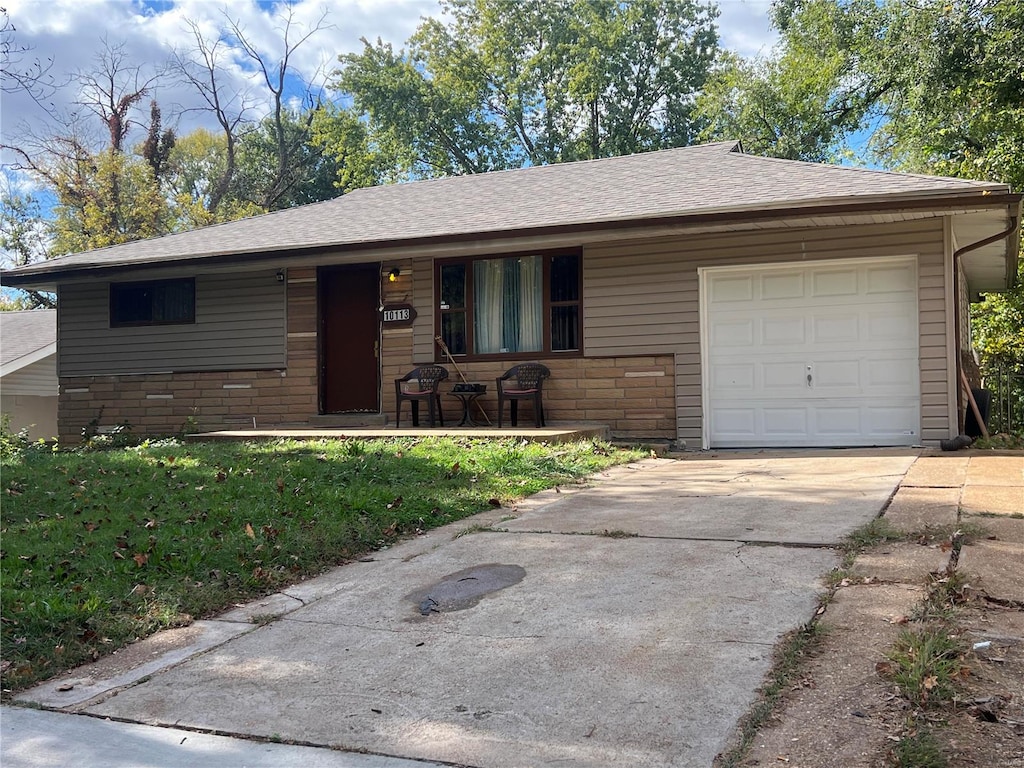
(628, 622)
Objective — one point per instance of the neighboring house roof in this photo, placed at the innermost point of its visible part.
(656, 186)
(26, 337)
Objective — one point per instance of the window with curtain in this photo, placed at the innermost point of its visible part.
(510, 305)
(154, 302)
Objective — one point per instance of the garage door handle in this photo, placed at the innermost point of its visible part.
(810, 378)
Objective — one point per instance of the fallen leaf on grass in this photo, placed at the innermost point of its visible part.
(884, 668)
(249, 531)
(221, 476)
(140, 558)
(280, 485)
(396, 503)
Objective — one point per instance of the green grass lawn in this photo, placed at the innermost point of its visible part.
(101, 547)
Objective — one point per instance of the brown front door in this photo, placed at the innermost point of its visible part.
(349, 338)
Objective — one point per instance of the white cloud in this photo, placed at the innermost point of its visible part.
(72, 33)
(745, 26)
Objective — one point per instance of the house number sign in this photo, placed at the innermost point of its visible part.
(398, 315)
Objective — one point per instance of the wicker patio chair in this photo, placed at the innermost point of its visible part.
(522, 382)
(421, 385)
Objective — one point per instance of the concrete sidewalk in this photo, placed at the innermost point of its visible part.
(846, 715)
(627, 622)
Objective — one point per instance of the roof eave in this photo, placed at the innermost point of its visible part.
(26, 360)
(46, 275)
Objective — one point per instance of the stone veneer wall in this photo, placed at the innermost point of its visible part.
(634, 396)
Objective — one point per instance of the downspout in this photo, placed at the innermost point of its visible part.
(1014, 220)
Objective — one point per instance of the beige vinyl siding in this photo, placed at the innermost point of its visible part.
(423, 301)
(240, 325)
(38, 378)
(642, 298)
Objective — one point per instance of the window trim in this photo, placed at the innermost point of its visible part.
(544, 354)
(114, 287)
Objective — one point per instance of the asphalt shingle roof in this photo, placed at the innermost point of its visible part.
(22, 333)
(708, 178)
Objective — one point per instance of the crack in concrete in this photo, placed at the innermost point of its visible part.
(424, 625)
(630, 536)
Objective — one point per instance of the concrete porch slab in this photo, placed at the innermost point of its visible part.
(559, 434)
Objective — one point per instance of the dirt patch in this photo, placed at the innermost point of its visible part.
(843, 706)
(840, 712)
(986, 728)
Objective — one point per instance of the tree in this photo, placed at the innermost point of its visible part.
(282, 135)
(107, 199)
(24, 239)
(502, 84)
(17, 72)
(935, 86)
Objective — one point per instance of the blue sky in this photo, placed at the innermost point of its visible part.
(72, 31)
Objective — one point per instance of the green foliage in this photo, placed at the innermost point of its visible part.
(926, 665)
(937, 86)
(502, 84)
(919, 749)
(341, 135)
(106, 199)
(24, 239)
(997, 325)
(103, 546)
(272, 178)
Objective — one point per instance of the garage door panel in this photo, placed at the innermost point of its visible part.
(834, 328)
(837, 374)
(836, 421)
(893, 419)
(854, 329)
(895, 279)
(889, 324)
(735, 423)
(782, 331)
(731, 288)
(789, 285)
(784, 422)
(733, 333)
(783, 379)
(739, 378)
(900, 373)
(834, 282)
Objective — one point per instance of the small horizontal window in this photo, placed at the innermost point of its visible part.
(155, 302)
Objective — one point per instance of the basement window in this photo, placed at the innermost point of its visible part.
(153, 302)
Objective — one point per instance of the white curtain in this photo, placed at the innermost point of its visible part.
(509, 307)
(487, 316)
(531, 304)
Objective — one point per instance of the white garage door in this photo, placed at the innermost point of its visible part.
(823, 354)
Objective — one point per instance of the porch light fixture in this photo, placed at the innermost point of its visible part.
(280, 275)
(393, 274)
